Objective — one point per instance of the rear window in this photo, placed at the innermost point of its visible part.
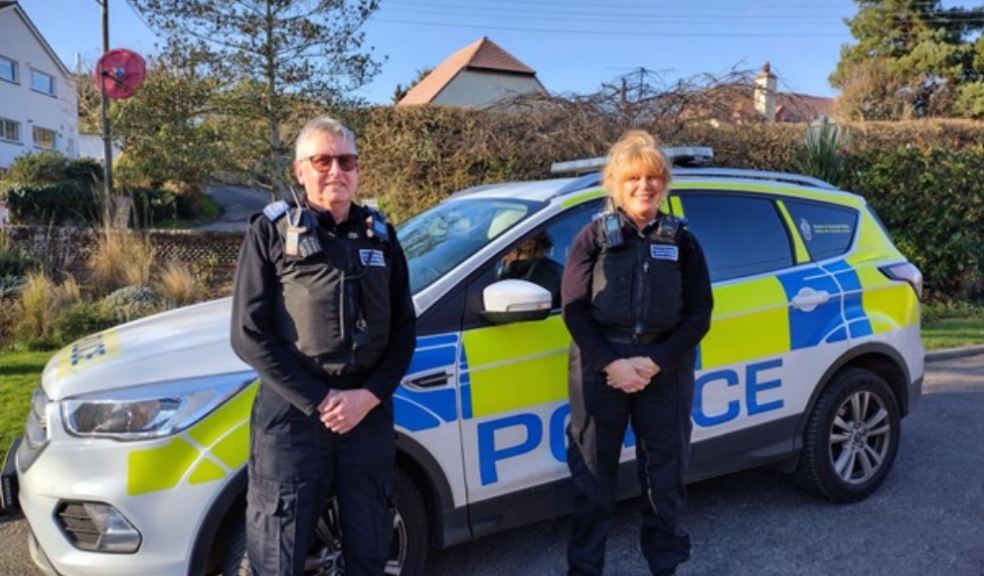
(740, 235)
(826, 230)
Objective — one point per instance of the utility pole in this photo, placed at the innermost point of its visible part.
(107, 140)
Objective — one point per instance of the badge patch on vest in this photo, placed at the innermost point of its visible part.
(372, 258)
(664, 252)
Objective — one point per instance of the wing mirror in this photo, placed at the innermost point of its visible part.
(509, 301)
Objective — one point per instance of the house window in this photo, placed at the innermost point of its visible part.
(44, 138)
(8, 69)
(42, 82)
(9, 130)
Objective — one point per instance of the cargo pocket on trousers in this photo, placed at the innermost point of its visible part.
(271, 515)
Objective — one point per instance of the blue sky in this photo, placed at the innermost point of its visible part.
(574, 45)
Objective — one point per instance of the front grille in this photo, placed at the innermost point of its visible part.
(78, 525)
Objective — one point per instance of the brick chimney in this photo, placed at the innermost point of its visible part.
(766, 84)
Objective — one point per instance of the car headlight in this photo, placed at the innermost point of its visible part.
(150, 411)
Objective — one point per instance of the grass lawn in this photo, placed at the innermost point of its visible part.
(953, 332)
(20, 373)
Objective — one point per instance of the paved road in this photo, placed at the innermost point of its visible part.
(926, 519)
(238, 204)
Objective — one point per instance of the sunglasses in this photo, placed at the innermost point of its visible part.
(323, 162)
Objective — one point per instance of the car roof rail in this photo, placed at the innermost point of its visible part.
(746, 174)
(678, 156)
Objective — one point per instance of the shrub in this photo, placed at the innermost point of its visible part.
(59, 203)
(40, 304)
(81, 319)
(77, 202)
(9, 314)
(85, 170)
(187, 198)
(821, 154)
(152, 205)
(120, 259)
(44, 167)
(178, 285)
(14, 260)
(131, 303)
(932, 201)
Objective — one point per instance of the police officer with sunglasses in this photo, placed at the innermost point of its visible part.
(322, 311)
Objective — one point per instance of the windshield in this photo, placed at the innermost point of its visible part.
(444, 236)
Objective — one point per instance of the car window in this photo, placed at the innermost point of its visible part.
(827, 230)
(444, 236)
(740, 235)
(540, 257)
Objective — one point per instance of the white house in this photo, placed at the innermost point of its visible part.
(476, 76)
(38, 102)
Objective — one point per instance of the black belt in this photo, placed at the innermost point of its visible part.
(632, 338)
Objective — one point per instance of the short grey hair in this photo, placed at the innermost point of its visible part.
(322, 125)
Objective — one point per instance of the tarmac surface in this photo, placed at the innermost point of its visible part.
(926, 519)
(238, 204)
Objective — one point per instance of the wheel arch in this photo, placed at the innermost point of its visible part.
(448, 525)
(210, 542)
(877, 357)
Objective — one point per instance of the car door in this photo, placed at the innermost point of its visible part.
(515, 375)
(777, 325)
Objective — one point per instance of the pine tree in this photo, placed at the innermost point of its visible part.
(270, 52)
(912, 58)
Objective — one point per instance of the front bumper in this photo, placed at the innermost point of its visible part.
(75, 471)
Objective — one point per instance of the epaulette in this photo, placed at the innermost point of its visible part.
(376, 224)
(275, 210)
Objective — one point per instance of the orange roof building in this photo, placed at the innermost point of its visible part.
(476, 76)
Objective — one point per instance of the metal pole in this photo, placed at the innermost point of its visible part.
(107, 141)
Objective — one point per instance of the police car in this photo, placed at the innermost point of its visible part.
(133, 457)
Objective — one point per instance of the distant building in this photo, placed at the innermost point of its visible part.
(775, 106)
(476, 76)
(38, 102)
(741, 103)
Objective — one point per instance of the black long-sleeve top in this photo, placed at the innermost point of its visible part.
(695, 317)
(254, 335)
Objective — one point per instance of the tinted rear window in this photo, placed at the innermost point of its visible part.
(826, 230)
(740, 235)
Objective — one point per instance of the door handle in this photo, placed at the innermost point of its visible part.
(808, 299)
(432, 380)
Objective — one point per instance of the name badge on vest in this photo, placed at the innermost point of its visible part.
(664, 252)
(372, 258)
(292, 247)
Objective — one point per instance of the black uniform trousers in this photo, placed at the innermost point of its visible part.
(295, 465)
(660, 417)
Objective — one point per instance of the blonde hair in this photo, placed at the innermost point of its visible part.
(635, 154)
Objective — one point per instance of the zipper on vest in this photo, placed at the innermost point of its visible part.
(639, 299)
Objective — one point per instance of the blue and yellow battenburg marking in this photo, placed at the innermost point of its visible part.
(417, 409)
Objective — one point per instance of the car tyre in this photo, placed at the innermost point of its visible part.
(408, 550)
(851, 438)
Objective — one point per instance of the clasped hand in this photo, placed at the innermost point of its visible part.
(342, 410)
(631, 374)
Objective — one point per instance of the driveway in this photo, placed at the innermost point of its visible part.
(925, 520)
(238, 204)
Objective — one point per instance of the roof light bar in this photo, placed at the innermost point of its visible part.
(678, 156)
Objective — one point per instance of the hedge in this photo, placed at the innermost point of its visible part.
(73, 202)
(932, 202)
